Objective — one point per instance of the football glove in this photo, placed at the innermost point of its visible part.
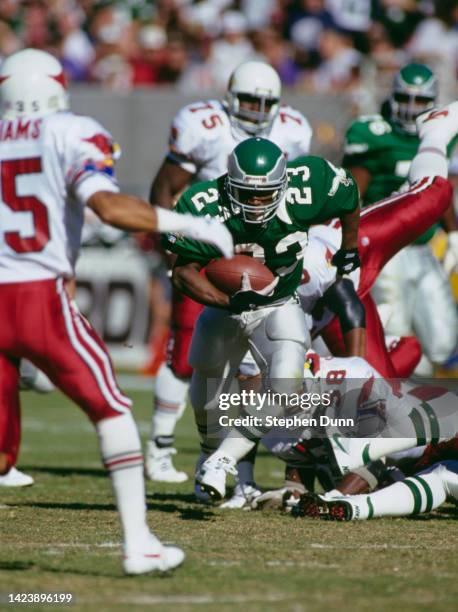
(450, 262)
(247, 298)
(278, 499)
(346, 260)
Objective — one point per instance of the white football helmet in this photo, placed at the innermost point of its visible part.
(32, 84)
(256, 84)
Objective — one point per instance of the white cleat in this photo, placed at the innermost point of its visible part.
(159, 464)
(157, 558)
(201, 496)
(244, 495)
(15, 478)
(440, 122)
(211, 478)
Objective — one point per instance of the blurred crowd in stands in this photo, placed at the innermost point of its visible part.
(315, 45)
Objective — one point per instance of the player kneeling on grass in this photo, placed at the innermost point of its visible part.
(53, 163)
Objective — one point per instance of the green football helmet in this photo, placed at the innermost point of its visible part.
(415, 91)
(256, 179)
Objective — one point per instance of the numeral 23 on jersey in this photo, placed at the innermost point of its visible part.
(299, 195)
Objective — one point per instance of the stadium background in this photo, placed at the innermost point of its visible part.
(132, 64)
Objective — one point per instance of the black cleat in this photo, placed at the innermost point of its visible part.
(314, 506)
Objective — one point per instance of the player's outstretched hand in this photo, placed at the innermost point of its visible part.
(247, 298)
(211, 231)
(346, 261)
(450, 262)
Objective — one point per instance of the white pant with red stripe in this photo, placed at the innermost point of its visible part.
(44, 326)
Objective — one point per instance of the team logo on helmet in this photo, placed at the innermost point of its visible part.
(256, 180)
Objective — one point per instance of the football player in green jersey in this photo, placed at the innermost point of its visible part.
(268, 206)
(378, 152)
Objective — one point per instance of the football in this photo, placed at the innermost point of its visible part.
(226, 274)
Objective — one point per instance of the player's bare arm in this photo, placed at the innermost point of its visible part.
(362, 177)
(125, 212)
(135, 215)
(170, 181)
(188, 279)
(350, 224)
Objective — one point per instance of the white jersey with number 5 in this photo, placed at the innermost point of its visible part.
(49, 168)
(201, 137)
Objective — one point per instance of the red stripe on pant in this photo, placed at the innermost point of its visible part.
(99, 353)
(42, 328)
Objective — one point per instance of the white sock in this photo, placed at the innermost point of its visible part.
(431, 158)
(236, 445)
(169, 403)
(421, 493)
(121, 452)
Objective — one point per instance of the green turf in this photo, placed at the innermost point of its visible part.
(62, 535)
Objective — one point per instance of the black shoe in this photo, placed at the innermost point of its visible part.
(314, 506)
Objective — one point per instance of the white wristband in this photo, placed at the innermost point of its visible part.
(169, 221)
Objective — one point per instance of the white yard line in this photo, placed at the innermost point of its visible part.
(364, 546)
(196, 599)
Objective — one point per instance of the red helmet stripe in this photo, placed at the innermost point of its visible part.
(60, 78)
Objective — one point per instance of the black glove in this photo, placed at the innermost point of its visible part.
(346, 260)
(247, 298)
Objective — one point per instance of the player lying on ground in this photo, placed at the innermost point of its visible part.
(63, 162)
(424, 491)
(399, 414)
(436, 128)
(202, 136)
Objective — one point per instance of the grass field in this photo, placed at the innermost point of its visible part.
(62, 535)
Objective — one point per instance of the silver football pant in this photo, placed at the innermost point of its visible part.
(414, 284)
(277, 338)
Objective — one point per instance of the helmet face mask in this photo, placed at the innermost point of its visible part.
(32, 84)
(414, 92)
(253, 97)
(256, 181)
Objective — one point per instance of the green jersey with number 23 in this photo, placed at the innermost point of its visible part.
(317, 192)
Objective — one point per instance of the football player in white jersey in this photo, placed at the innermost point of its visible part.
(52, 164)
(386, 417)
(202, 135)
